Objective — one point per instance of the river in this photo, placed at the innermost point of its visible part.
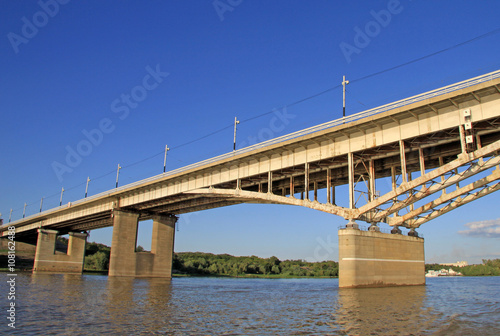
(98, 305)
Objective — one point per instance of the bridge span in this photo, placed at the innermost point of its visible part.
(439, 150)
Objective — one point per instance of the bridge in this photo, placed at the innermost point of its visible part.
(403, 164)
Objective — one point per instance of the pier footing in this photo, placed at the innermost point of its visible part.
(375, 259)
(125, 261)
(47, 260)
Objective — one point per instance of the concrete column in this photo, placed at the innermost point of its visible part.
(270, 182)
(122, 259)
(329, 186)
(162, 245)
(333, 195)
(462, 138)
(375, 259)
(306, 181)
(315, 184)
(421, 161)
(371, 174)
(350, 170)
(47, 260)
(402, 154)
(125, 261)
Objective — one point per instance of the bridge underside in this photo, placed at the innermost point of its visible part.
(421, 180)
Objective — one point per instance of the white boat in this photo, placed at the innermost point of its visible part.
(432, 274)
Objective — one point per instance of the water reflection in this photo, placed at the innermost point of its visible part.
(138, 305)
(391, 310)
(72, 304)
(96, 305)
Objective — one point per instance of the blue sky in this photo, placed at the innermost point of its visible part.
(146, 74)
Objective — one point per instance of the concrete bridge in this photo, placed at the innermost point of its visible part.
(439, 150)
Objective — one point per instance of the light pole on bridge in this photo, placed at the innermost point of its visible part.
(344, 83)
(236, 122)
(165, 158)
(117, 174)
(60, 200)
(87, 186)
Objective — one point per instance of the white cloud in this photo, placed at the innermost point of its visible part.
(488, 228)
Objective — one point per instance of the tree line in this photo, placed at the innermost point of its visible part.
(199, 263)
(489, 267)
(224, 264)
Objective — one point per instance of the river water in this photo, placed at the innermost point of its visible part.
(98, 305)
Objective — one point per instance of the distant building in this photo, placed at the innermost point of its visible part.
(457, 264)
(442, 272)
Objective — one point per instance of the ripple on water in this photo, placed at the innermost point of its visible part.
(97, 305)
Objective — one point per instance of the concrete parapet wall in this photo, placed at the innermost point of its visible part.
(374, 259)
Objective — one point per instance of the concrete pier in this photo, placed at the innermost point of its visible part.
(125, 261)
(375, 259)
(46, 259)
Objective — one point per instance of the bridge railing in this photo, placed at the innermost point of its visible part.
(294, 135)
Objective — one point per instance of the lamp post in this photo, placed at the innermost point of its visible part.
(60, 201)
(344, 83)
(41, 204)
(117, 174)
(236, 122)
(165, 158)
(87, 186)
(24, 210)
(10, 215)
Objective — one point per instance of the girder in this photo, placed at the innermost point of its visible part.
(258, 197)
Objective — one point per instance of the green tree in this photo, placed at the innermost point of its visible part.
(98, 261)
(213, 269)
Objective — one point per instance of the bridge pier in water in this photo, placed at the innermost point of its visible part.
(125, 261)
(46, 259)
(376, 259)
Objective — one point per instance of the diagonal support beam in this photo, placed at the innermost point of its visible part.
(400, 220)
(455, 204)
(427, 191)
(462, 160)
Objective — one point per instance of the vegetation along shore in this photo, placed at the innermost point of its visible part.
(208, 264)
